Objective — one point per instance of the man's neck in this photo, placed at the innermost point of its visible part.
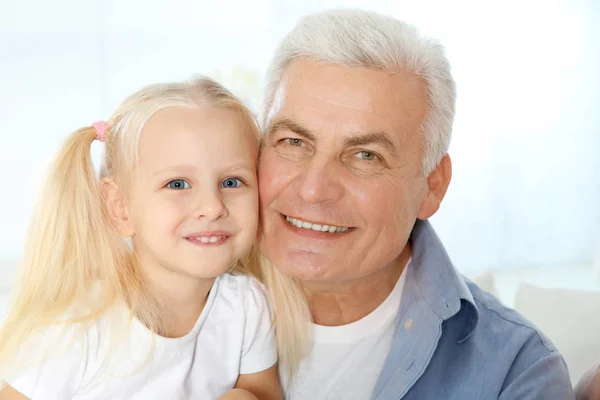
(343, 303)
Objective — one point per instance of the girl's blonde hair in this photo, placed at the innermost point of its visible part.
(72, 245)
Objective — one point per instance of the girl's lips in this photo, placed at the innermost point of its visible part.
(209, 237)
(208, 240)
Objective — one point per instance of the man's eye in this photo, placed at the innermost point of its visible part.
(231, 183)
(178, 184)
(294, 141)
(367, 155)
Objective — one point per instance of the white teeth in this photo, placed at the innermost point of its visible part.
(315, 227)
(210, 239)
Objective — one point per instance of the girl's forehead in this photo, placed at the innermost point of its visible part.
(203, 138)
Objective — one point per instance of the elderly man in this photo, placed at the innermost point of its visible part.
(358, 118)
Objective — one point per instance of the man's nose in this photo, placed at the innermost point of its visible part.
(319, 182)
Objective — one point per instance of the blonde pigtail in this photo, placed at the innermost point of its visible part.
(69, 237)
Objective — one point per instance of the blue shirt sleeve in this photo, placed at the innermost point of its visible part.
(545, 379)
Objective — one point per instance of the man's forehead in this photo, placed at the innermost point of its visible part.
(342, 113)
(320, 88)
(307, 80)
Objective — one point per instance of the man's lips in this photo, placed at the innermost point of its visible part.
(316, 227)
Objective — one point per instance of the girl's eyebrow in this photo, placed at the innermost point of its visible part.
(185, 168)
(174, 169)
(241, 167)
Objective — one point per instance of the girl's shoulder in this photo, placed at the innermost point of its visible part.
(69, 356)
(53, 359)
(255, 331)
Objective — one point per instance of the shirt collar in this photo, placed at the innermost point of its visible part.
(438, 282)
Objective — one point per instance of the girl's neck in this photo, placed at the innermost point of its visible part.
(180, 298)
(180, 306)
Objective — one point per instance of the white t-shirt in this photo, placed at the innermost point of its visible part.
(233, 335)
(346, 360)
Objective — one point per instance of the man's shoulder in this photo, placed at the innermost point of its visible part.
(503, 325)
(525, 356)
(493, 352)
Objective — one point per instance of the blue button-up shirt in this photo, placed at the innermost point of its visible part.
(455, 341)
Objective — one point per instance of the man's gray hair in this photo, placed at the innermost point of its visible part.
(357, 38)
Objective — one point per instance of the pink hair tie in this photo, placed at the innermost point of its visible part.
(100, 127)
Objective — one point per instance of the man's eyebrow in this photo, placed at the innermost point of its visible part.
(357, 139)
(287, 124)
(362, 139)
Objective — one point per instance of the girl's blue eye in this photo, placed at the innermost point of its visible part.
(231, 183)
(178, 184)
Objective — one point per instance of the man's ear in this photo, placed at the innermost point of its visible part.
(117, 207)
(437, 184)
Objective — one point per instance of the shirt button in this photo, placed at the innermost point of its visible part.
(409, 324)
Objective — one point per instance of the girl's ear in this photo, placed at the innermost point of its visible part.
(117, 207)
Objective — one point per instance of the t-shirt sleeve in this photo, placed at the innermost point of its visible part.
(259, 351)
(50, 366)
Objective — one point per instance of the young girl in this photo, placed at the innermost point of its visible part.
(173, 313)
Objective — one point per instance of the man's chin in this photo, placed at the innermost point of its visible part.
(301, 264)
